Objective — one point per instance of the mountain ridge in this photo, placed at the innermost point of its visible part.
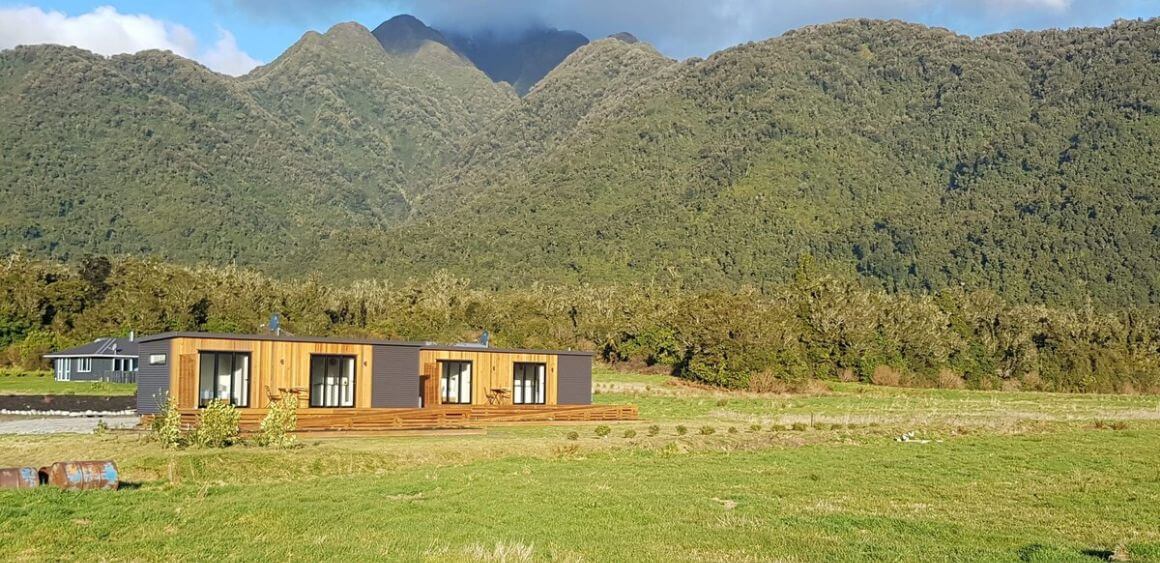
(910, 157)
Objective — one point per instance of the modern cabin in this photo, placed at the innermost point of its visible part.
(353, 382)
(104, 359)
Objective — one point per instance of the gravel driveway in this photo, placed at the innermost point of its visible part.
(61, 424)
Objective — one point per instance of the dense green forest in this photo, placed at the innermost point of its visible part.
(813, 326)
(1023, 163)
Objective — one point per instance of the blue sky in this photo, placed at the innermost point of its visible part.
(232, 36)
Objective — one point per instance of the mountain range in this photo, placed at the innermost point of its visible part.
(911, 157)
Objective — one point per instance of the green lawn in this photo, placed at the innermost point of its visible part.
(1003, 477)
(43, 383)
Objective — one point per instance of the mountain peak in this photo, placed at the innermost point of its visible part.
(405, 34)
(625, 36)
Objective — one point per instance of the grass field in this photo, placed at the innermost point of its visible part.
(43, 383)
(1004, 476)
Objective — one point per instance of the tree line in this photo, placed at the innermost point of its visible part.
(815, 326)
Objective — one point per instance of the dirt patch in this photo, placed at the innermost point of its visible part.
(67, 403)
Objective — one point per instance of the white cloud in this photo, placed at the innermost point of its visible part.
(225, 57)
(108, 32)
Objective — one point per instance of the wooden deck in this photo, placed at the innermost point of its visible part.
(316, 420)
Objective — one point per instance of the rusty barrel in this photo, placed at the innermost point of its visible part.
(19, 478)
(81, 475)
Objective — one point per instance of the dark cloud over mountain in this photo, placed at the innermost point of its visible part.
(684, 28)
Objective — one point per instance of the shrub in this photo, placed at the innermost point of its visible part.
(766, 382)
(777, 428)
(847, 375)
(166, 427)
(722, 402)
(836, 426)
(573, 435)
(281, 420)
(948, 379)
(654, 430)
(732, 429)
(219, 425)
(681, 430)
(630, 433)
(799, 426)
(886, 375)
(707, 430)
(1119, 425)
(101, 428)
(755, 428)
(603, 430)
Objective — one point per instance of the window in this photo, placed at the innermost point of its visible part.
(84, 365)
(528, 388)
(225, 376)
(157, 359)
(124, 364)
(455, 383)
(332, 381)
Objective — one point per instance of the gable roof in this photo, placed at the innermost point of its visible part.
(100, 348)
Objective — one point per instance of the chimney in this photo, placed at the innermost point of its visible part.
(132, 335)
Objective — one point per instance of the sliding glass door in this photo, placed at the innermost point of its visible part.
(528, 387)
(224, 376)
(332, 381)
(455, 383)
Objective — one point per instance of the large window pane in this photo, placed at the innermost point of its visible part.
(528, 387)
(332, 381)
(224, 376)
(455, 383)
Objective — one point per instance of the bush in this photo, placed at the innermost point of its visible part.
(799, 426)
(948, 379)
(654, 430)
(573, 435)
(722, 402)
(681, 430)
(887, 376)
(630, 433)
(1119, 425)
(707, 430)
(836, 426)
(732, 429)
(219, 425)
(603, 430)
(755, 428)
(101, 428)
(166, 427)
(777, 428)
(281, 420)
(766, 382)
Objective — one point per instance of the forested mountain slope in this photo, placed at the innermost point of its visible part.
(911, 157)
(1023, 162)
(154, 154)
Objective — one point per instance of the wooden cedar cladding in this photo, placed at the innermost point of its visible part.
(489, 370)
(274, 364)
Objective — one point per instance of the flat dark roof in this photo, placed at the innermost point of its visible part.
(275, 338)
(453, 348)
(367, 341)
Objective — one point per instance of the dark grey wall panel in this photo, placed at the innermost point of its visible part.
(152, 381)
(395, 376)
(101, 368)
(575, 380)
